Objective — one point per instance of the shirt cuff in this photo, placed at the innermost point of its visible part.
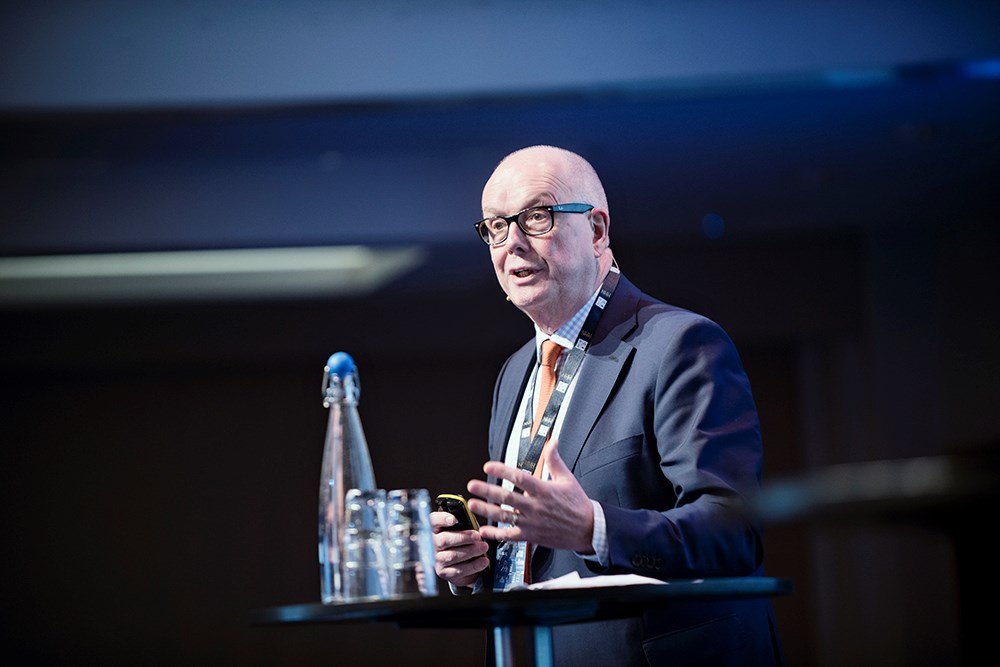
(600, 540)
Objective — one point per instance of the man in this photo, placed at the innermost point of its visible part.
(650, 451)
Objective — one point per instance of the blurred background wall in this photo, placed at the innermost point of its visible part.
(820, 178)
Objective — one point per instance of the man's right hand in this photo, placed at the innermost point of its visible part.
(459, 555)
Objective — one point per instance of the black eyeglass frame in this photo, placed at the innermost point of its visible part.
(515, 218)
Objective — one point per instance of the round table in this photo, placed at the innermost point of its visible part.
(539, 609)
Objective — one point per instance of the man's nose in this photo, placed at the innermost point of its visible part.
(515, 238)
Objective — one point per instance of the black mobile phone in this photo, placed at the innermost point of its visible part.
(455, 504)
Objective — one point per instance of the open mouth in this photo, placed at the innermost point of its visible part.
(522, 273)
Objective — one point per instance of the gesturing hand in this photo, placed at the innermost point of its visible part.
(555, 513)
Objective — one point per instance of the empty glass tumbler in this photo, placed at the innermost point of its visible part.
(365, 564)
(411, 545)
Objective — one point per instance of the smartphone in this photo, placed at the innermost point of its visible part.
(455, 504)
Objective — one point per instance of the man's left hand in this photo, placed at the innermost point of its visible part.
(555, 513)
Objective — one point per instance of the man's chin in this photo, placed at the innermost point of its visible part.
(522, 298)
(531, 304)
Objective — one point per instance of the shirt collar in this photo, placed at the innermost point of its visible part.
(567, 334)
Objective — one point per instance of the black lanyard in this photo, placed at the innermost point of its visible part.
(528, 460)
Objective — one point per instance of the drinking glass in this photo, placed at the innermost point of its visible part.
(411, 546)
(365, 564)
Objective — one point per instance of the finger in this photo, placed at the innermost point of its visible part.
(461, 573)
(452, 556)
(509, 534)
(521, 479)
(453, 539)
(478, 488)
(493, 493)
(442, 521)
(557, 467)
(500, 470)
(498, 494)
(494, 513)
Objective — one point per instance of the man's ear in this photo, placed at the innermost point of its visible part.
(600, 222)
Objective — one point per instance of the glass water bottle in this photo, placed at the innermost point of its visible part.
(346, 466)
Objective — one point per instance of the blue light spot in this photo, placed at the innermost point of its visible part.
(982, 69)
(858, 78)
(713, 226)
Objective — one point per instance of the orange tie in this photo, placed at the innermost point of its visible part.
(546, 383)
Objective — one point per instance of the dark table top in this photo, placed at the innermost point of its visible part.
(524, 607)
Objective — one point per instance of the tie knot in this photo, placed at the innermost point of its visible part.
(550, 352)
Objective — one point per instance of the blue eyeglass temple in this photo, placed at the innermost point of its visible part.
(571, 208)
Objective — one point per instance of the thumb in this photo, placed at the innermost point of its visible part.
(557, 467)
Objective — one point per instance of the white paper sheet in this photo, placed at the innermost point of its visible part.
(574, 580)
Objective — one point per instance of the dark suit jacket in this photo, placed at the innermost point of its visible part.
(662, 431)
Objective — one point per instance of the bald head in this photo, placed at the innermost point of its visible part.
(551, 275)
(576, 173)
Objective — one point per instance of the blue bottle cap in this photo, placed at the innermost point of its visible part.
(340, 379)
(340, 364)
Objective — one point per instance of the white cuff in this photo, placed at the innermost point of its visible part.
(600, 540)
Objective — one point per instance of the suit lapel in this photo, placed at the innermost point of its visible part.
(605, 361)
(513, 380)
(609, 350)
(600, 371)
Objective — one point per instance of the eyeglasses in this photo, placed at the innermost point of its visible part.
(533, 221)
